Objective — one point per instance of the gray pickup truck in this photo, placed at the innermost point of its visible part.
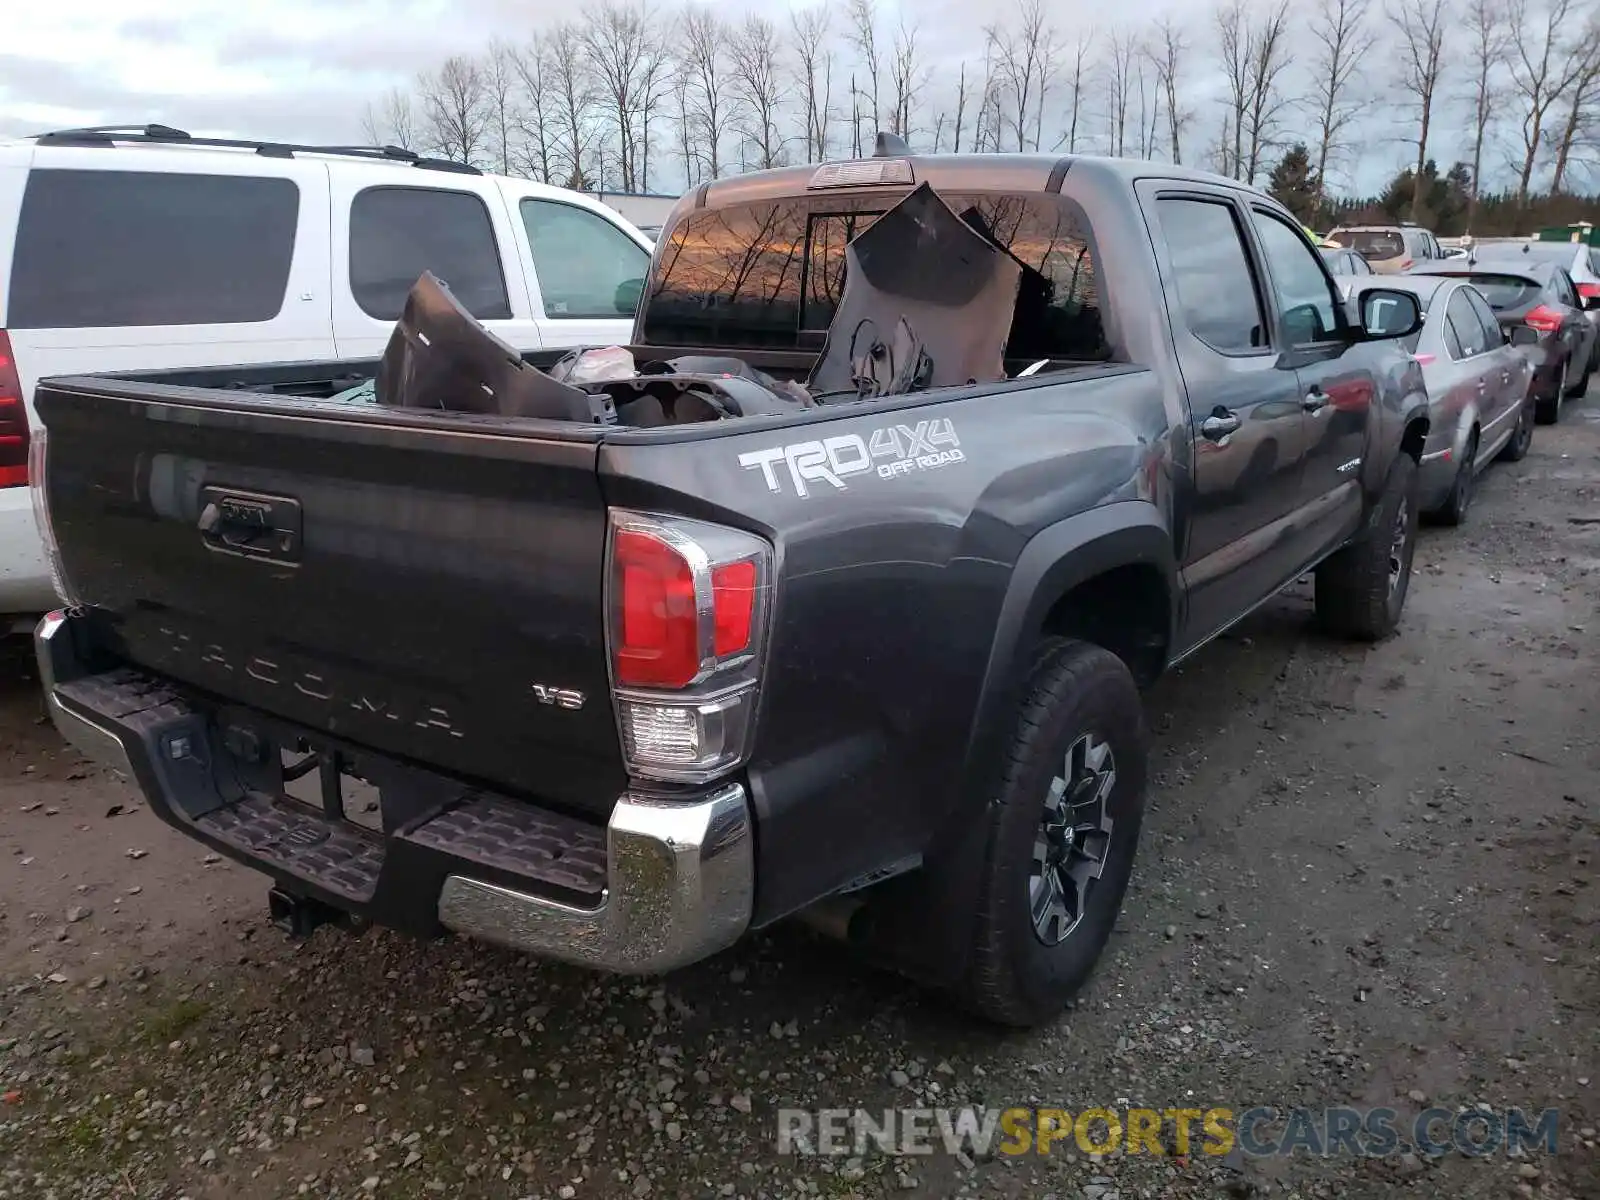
(869, 650)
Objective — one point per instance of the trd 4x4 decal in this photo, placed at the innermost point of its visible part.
(889, 452)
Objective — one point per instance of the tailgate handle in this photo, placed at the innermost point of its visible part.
(250, 524)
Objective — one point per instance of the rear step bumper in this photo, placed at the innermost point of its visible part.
(664, 884)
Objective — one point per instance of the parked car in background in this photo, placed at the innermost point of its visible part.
(138, 249)
(1480, 401)
(1346, 265)
(1538, 297)
(1582, 263)
(1389, 249)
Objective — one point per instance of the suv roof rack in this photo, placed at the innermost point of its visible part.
(166, 135)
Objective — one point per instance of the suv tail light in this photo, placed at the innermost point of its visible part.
(687, 613)
(1589, 290)
(39, 473)
(14, 436)
(1543, 318)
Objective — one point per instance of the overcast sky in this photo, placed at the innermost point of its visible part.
(302, 70)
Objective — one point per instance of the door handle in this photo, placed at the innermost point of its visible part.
(1219, 425)
(1315, 400)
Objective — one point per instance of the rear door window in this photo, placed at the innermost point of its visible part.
(109, 249)
(1468, 329)
(587, 267)
(1494, 336)
(397, 233)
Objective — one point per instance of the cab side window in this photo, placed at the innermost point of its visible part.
(1307, 304)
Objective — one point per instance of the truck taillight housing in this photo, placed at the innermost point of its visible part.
(38, 471)
(688, 604)
(14, 435)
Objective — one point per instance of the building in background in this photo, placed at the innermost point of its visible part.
(647, 210)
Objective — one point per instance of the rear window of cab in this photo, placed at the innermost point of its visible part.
(770, 274)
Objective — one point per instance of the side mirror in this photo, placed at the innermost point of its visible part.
(1389, 314)
(1522, 335)
(629, 293)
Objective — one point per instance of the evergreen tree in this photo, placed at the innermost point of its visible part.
(1295, 185)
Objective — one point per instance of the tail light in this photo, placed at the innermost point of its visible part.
(1425, 360)
(1589, 291)
(14, 435)
(687, 614)
(1544, 319)
(39, 472)
(1407, 265)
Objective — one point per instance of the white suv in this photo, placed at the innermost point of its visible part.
(140, 249)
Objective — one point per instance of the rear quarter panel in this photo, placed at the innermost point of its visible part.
(891, 582)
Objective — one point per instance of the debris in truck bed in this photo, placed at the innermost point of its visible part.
(918, 277)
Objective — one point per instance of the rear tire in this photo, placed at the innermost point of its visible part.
(1549, 409)
(1522, 437)
(1454, 509)
(1056, 869)
(1361, 589)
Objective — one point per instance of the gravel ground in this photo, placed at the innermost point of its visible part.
(1367, 879)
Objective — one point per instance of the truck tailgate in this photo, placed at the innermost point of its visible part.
(412, 584)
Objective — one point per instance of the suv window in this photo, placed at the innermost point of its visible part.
(397, 233)
(1379, 244)
(1468, 329)
(772, 273)
(587, 267)
(106, 249)
(1211, 274)
(1306, 300)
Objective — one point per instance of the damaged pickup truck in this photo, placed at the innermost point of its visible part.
(831, 595)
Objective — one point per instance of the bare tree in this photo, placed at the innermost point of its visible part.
(535, 115)
(567, 69)
(1168, 49)
(1583, 107)
(1233, 41)
(1024, 59)
(961, 108)
(393, 122)
(814, 72)
(1421, 26)
(625, 50)
(1490, 40)
(1077, 81)
(1269, 56)
(500, 98)
(864, 39)
(705, 55)
(907, 75)
(1342, 37)
(455, 111)
(1119, 83)
(757, 79)
(1543, 70)
(683, 115)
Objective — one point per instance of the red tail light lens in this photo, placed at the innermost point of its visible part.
(1544, 319)
(1424, 360)
(658, 642)
(1589, 290)
(688, 610)
(14, 436)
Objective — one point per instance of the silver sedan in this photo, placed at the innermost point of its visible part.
(1479, 390)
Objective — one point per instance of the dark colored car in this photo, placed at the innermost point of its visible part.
(712, 653)
(1580, 261)
(1540, 299)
